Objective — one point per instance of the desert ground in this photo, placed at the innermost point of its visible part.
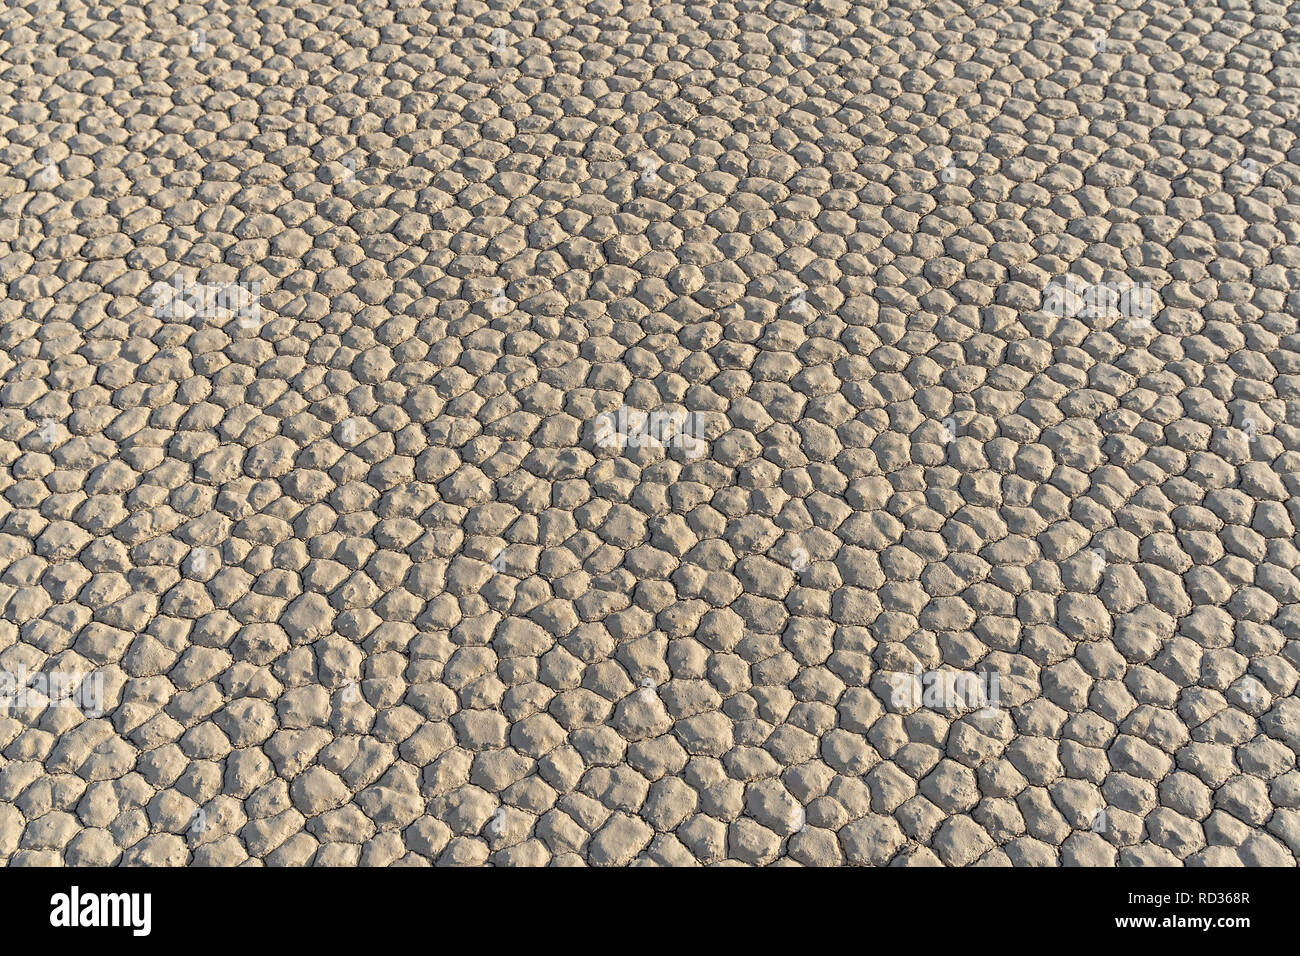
(597, 433)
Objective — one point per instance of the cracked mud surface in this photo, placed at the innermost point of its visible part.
(361, 578)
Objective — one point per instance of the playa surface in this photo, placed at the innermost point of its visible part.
(599, 433)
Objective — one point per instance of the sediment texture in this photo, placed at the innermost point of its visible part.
(363, 583)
